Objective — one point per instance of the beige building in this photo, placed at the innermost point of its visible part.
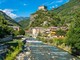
(51, 31)
(42, 8)
(36, 31)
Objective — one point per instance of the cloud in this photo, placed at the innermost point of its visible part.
(9, 12)
(53, 2)
(48, 3)
(53, 7)
(60, 1)
(45, 3)
(56, 5)
(25, 4)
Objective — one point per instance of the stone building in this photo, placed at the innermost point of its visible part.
(42, 8)
(36, 31)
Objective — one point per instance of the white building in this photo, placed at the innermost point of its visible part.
(35, 32)
(42, 8)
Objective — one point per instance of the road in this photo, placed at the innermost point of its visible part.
(36, 50)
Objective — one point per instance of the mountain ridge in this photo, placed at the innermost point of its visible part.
(71, 5)
(18, 19)
(24, 23)
(61, 16)
(8, 19)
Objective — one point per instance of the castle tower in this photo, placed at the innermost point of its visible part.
(42, 8)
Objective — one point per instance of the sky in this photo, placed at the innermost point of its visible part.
(23, 8)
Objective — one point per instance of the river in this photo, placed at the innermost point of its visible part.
(40, 51)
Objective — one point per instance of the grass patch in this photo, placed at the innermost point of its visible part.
(14, 49)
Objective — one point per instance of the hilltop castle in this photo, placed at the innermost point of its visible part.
(42, 8)
(32, 17)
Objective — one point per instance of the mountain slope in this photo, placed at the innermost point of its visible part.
(8, 19)
(68, 11)
(61, 16)
(24, 23)
(21, 18)
(44, 19)
(69, 7)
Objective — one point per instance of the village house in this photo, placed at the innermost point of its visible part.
(36, 31)
(47, 32)
(15, 27)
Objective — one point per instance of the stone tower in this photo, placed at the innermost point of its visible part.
(42, 8)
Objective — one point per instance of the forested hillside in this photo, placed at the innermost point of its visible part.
(24, 23)
(18, 19)
(61, 16)
(8, 19)
(45, 19)
(5, 22)
(68, 10)
(69, 7)
(70, 14)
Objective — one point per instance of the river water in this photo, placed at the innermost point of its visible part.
(40, 51)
